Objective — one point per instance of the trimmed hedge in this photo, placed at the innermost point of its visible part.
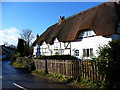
(58, 57)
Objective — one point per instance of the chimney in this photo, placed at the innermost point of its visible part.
(61, 19)
(37, 36)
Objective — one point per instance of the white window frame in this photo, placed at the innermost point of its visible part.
(88, 52)
(86, 33)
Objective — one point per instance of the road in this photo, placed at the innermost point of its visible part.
(17, 79)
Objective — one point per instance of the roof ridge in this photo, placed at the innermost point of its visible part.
(82, 12)
(87, 10)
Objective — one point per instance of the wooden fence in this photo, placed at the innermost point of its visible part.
(89, 69)
(72, 68)
(64, 67)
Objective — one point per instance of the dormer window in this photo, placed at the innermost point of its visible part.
(86, 33)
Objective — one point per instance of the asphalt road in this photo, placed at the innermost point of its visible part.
(17, 79)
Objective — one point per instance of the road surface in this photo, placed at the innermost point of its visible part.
(17, 79)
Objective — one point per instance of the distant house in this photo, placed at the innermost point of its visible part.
(6, 52)
(80, 35)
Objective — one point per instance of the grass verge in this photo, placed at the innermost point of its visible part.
(81, 83)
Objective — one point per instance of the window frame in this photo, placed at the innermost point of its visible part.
(76, 52)
(88, 52)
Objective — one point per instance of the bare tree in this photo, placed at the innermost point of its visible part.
(27, 36)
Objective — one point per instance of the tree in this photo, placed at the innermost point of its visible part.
(20, 47)
(27, 36)
(111, 68)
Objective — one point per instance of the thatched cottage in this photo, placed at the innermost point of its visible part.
(80, 35)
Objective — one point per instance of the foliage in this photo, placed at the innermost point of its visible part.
(91, 83)
(23, 48)
(109, 63)
(20, 47)
(57, 53)
(39, 72)
(59, 57)
(23, 62)
(27, 50)
(59, 77)
(65, 79)
(18, 65)
(13, 59)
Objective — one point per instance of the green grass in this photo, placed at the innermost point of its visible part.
(42, 73)
(87, 83)
(18, 65)
(90, 83)
(59, 77)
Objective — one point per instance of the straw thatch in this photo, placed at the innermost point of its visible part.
(102, 19)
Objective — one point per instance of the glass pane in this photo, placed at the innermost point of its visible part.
(91, 51)
(88, 54)
(76, 52)
(84, 53)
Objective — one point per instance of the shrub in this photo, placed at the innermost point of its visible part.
(109, 63)
(23, 62)
(39, 72)
(60, 57)
(91, 83)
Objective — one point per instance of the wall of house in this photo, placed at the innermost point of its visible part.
(88, 44)
(60, 48)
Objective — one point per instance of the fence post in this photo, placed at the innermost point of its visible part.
(46, 70)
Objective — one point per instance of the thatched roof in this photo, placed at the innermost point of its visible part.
(102, 19)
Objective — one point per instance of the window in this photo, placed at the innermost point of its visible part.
(38, 51)
(86, 33)
(88, 52)
(76, 52)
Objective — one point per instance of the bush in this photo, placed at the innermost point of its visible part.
(39, 72)
(23, 62)
(59, 57)
(109, 63)
(91, 83)
(13, 59)
(59, 77)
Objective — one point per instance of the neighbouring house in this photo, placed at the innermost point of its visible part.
(80, 35)
(6, 52)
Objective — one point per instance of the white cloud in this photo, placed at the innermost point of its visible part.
(9, 36)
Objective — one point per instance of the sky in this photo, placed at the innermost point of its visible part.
(37, 16)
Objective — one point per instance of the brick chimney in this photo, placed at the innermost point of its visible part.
(61, 19)
(37, 36)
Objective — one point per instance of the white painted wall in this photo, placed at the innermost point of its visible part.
(85, 43)
(90, 42)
